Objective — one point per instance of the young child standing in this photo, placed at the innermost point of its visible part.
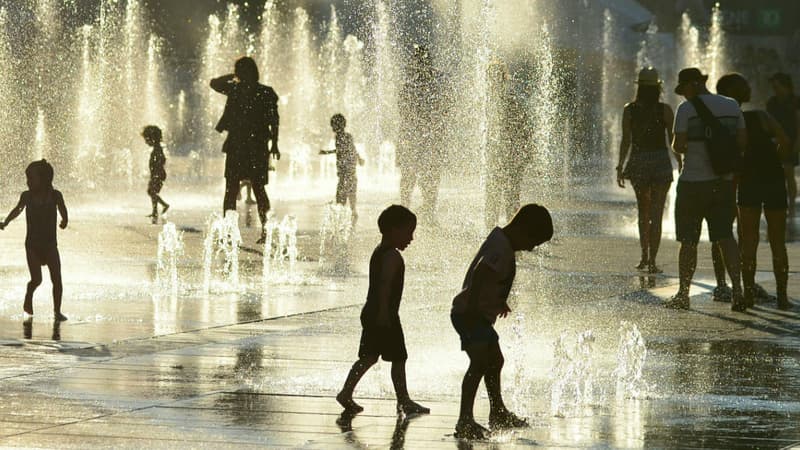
(346, 159)
(484, 297)
(152, 136)
(382, 334)
(40, 203)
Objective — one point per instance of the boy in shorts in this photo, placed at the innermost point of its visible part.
(152, 137)
(382, 334)
(484, 297)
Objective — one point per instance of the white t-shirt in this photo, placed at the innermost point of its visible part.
(497, 254)
(696, 163)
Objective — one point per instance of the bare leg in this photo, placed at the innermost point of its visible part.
(643, 200)
(657, 201)
(791, 187)
(35, 270)
(492, 380)
(719, 265)
(260, 191)
(345, 396)
(730, 254)
(776, 225)
(54, 266)
(478, 363)
(231, 191)
(687, 263)
(408, 179)
(749, 222)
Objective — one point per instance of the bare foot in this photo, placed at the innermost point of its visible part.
(410, 407)
(348, 404)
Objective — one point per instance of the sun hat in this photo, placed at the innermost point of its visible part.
(687, 76)
(648, 77)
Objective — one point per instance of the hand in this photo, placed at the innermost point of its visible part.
(504, 310)
(3, 225)
(63, 224)
(323, 152)
(360, 160)
(620, 179)
(275, 152)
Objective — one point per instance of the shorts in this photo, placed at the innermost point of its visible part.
(770, 195)
(473, 330)
(39, 254)
(386, 342)
(154, 186)
(346, 188)
(714, 201)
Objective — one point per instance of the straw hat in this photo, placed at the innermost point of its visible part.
(648, 77)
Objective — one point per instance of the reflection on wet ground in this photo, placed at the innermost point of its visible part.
(137, 366)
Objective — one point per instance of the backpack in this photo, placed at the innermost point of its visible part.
(723, 150)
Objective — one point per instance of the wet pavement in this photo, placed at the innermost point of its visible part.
(141, 366)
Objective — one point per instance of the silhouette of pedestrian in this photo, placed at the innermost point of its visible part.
(420, 153)
(251, 120)
(152, 136)
(508, 149)
(40, 203)
(705, 188)
(761, 184)
(784, 106)
(347, 158)
(646, 121)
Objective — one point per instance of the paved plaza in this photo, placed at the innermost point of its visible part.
(137, 366)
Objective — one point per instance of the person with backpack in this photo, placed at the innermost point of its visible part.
(711, 134)
(761, 184)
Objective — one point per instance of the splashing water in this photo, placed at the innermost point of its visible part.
(222, 237)
(280, 250)
(631, 357)
(170, 248)
(334, 249)
(572, 374)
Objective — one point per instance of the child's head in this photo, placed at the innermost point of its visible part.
(534, 226)
(397, 224)
(338, 122)
(151, 135)
(39, 175)
(246, 69)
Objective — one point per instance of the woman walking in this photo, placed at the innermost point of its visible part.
(646, 124)
(762, 184)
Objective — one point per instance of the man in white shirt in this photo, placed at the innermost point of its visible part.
(702, 193)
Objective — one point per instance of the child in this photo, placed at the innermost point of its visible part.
(152, 136)
(40, 203)
(476, 307)
(346, 159)
(382, 334)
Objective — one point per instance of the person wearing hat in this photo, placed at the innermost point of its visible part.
(784, 106)
(646, 123)
(701, 192)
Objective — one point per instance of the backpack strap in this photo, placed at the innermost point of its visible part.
(708, 118)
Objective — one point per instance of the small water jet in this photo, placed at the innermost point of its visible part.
(222, 238)
(631, 358)
(334, 250)
(170, 249)
(280, 250)
(573, 375)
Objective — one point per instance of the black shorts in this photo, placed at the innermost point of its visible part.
(473, 330)
(770, 194)
(386, 342)
(714, 201)
(154, 186)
